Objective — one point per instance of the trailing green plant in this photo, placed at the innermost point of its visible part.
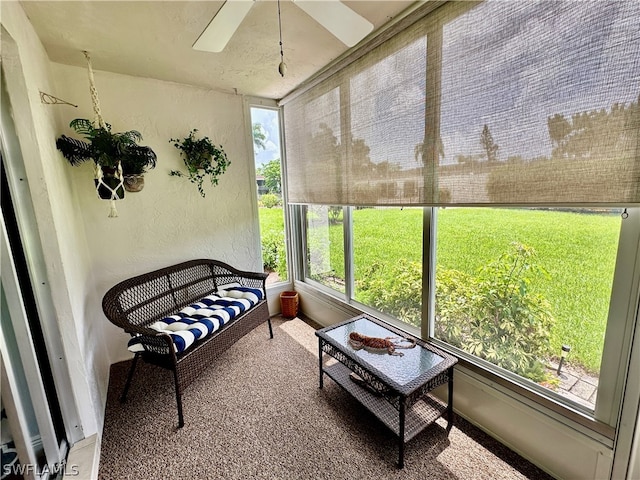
(202, 158)
(106, 148)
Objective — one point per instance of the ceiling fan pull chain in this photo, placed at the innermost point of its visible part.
(282, 68)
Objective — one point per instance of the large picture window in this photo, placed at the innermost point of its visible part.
(387, 257)
(477, 162)
(515, 286)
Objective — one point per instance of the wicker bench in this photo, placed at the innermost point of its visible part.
(141, 302)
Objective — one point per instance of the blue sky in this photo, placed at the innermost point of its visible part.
(268, 119)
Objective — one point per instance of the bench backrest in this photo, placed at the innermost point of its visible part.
(143, 299)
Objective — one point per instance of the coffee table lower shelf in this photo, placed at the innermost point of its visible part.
(417, 417)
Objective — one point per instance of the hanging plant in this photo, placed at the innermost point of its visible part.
(202, 158)
(107, 150)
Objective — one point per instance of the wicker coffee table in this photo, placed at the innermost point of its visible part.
(394, 388)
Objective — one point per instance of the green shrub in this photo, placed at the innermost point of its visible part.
(493, 315)
(270, 200)
(496, 316)
(273, 253)
(395, 289)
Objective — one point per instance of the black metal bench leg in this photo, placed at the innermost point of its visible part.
(178, 400)
(270, 329)
(123, 397)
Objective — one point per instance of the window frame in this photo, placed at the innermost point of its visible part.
(604, 420)
(620, 322)
(269, 104)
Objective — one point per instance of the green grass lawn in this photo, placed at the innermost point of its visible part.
(578, 251)
(271, 220)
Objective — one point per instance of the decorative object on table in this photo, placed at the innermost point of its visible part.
(289, 304)
(358, 380)
(202, 158)
(379, 345)
(112, 153)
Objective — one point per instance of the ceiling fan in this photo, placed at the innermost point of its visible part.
(345, 24)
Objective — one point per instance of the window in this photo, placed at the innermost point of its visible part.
(387, 257)
(520, 119)
(265, 130)
(325, 246)
(513, 286)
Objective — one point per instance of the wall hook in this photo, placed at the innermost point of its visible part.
(51, 100)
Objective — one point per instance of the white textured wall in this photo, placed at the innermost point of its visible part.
(27, 72)
(168, 221)
(86, 252)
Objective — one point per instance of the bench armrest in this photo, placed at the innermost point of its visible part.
(155, 342)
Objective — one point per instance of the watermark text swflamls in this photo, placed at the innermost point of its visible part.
(31, 469)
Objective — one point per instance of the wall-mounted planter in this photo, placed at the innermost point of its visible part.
(202, 158)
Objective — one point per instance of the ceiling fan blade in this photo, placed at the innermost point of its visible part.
(222, 26)
(345, 24)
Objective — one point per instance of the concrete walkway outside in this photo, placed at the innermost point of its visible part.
(576, 384)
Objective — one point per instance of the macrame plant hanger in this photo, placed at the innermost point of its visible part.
(99, 174)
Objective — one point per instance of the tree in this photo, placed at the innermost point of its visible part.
(259, 137)
(360, 159)
(419, 151)
(272, 176)
(599, 134)
(486, 140)
(559, 127)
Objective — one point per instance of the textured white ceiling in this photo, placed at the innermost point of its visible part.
(153, 39)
